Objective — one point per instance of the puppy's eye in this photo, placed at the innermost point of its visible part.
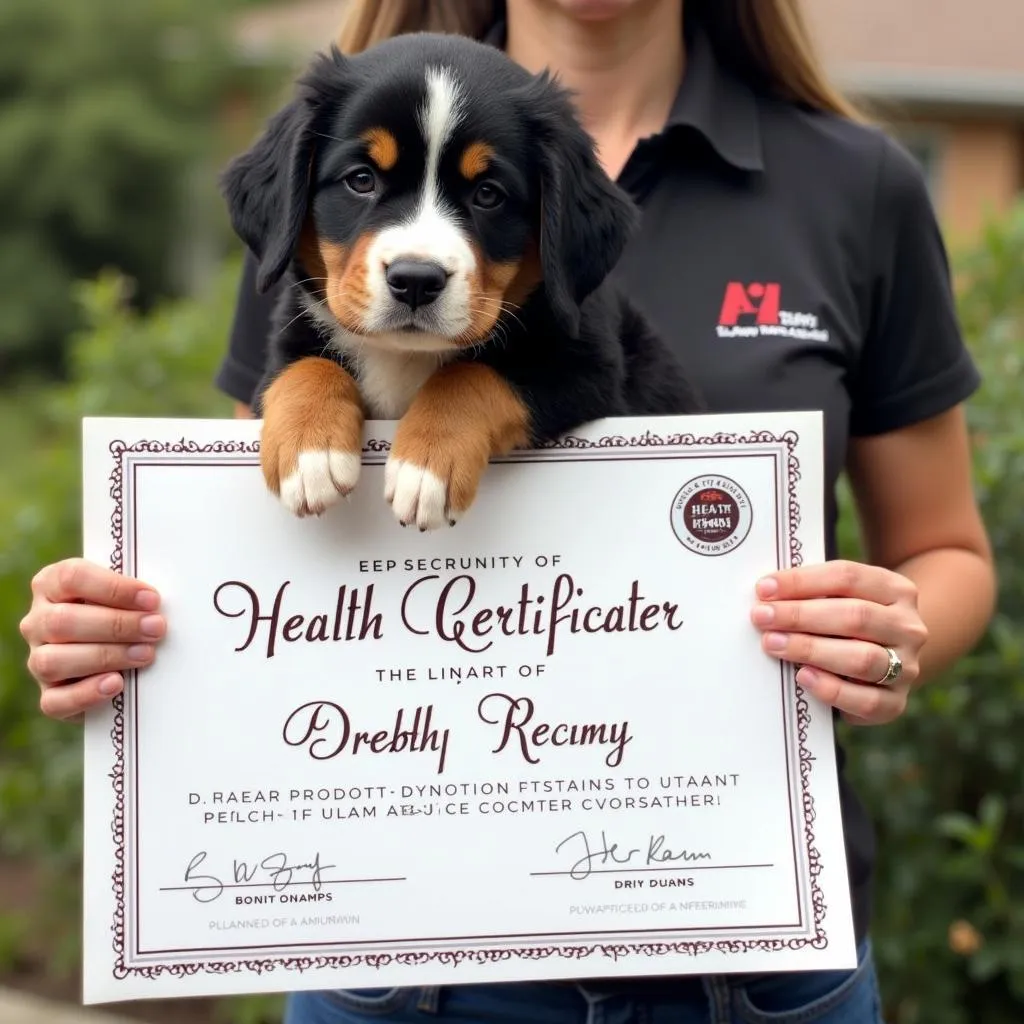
(361, 181)
(488, 196)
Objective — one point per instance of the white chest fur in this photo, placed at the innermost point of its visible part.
(389, 381)
(388, 374)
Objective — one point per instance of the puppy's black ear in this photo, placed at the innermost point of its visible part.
(585, 218)
(267, 188)
(267, 191)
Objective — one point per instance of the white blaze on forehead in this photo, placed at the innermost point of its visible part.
(439, 117)
(432, 232)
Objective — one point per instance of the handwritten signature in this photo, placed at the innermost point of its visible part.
(607, 852)
(274, 868)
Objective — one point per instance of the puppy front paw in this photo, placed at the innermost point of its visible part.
(432, 484)
(319, 479)
(417, 495)
(310, 445)
(463, 416)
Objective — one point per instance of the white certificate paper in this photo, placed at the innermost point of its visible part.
(544, 744)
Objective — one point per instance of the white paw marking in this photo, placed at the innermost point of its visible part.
(416, 495)
(319, 480)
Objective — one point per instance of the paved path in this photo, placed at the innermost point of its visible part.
(19, 1008)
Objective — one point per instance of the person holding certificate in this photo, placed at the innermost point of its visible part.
(790, 251)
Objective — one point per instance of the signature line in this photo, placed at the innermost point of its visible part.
(641, 871)
(275, 885)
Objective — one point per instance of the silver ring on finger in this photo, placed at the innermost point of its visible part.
(894, 671)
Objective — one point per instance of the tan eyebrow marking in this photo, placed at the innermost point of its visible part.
(476, 158)
(382, 147)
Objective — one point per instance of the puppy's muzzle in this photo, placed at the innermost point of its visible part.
(416, 283)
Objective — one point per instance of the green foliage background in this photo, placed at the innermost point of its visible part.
(108, 140)
(946, 783)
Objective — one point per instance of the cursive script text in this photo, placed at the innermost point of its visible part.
(606, 852)
(514, 714)
(274, 871)
(451, 610)
(325, 729)
(352, 617)
(459, 618)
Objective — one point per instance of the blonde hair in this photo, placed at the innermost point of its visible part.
(764, 42)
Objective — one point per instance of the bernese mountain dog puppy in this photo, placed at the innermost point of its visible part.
(445, 235)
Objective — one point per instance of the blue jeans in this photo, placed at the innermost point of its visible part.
(815, 997)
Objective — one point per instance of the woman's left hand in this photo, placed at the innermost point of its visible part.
(836, 620)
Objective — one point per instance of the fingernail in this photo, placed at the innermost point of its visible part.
(807, 678)
(152, 625)
(767, 587)
(139, 652)
(763, 615)
(775, 641)
(110, 685)
(147, 600)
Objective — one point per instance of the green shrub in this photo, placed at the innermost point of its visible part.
(113, 114)
(946, 783)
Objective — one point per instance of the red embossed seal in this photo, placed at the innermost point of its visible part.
(711, 515)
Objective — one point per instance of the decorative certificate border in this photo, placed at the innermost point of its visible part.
(375, 451)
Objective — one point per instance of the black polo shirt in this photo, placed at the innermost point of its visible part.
(794, 260)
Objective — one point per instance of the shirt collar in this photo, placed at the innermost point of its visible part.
(718, 105)
(710, 99)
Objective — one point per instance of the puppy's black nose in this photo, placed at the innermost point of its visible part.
(416, 282)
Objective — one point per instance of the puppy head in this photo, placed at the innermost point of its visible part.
(425, 188)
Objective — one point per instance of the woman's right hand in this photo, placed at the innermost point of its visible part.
(87, 624)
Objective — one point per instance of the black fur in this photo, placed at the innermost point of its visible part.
(585, 219)
(576, 350)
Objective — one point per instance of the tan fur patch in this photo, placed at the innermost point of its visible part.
(340, 274)
(497, 286)
(487, 286)
(382, 147)
(475, 159)
(312, 405)
(462, 417)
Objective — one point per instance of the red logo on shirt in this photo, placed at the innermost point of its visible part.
(753, 311)
(758, 300)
